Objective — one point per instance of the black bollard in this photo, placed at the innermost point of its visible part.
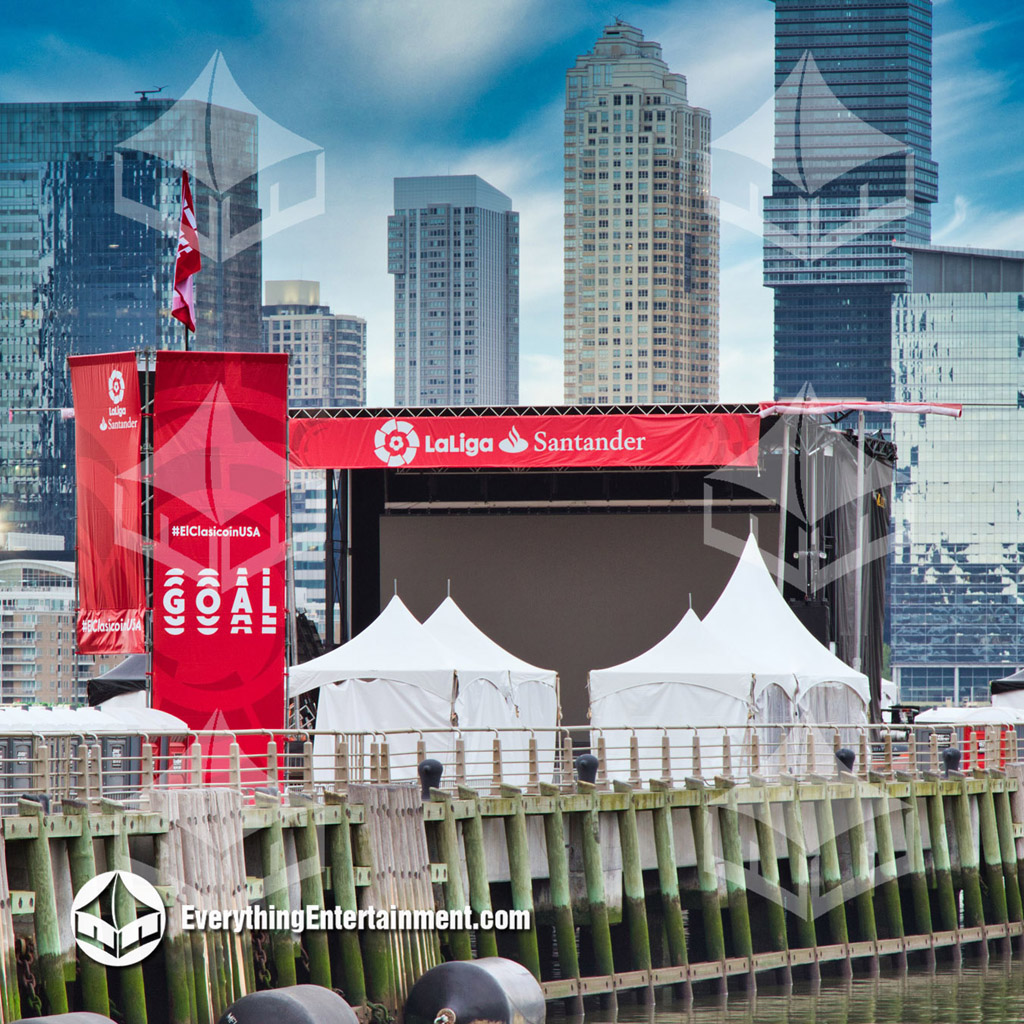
(586, 768)
(951, 759)
(845, 756)
(430, 771)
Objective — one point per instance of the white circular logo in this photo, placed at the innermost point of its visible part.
(396, 443)
(115, 386)
(104, 938)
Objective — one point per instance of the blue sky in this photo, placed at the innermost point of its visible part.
(405, 87)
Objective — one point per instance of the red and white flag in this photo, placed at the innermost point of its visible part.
(187, 263)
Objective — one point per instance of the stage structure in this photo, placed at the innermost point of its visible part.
(577, 536)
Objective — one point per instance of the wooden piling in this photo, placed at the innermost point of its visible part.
(454, 893)
(799, 875)
(476, 871)
(132, 984)
(707, 879)
(887, 880)
(920, 898)
(831, 876)
(47, 928)
(775, 910)
(735, 876)
(1008, 853)
(82, 861)
(307, 852)
(993, 857)
(863, 880)
(561, 897)
(974, 913)
(275, 888)
(521, 876)
(945, 896)
(634, 904)
(668, 880)
(593, 871)
(343, 881)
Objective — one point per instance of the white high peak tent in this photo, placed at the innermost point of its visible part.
(688, 678)
(789, 663)
(497, 689)
(394, 675)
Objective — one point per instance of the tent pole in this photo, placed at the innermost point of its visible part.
(780, 572)
(859, 579)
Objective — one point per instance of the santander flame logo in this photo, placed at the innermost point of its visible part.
(396, 443)
(514, 443)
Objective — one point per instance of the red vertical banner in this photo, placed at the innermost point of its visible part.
(108, 435)
(219, 535)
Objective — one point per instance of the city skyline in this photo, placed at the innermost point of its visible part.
(483, 93)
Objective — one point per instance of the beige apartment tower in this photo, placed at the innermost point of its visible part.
(641, 231)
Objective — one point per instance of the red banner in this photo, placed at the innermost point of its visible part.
(219, 495)
(521, 442)
(108, 433)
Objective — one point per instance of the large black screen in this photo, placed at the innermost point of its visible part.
(570, 592)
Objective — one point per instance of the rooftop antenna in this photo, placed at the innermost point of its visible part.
(396, 586)
(144, 94)
(449, 586)
(691, 600)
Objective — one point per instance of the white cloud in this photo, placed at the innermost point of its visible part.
(983, 227)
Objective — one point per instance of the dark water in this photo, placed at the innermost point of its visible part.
(992, 994)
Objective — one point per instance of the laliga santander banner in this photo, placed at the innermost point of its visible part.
(219, 497)
(108, 432)
(535, 442)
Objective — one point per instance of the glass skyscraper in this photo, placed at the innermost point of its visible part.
(89, 208)
(852, 173)
(957, 574)
(453, 248)
(641, 230)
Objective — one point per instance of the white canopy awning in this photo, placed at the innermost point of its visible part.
(395, 646)
(477, 656)
(689, 654)
(753, 618)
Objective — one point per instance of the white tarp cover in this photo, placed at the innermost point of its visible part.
(64, 720)
(393, 676)
(752, 617)
(497, 689)
(977, 717)
(688, 678)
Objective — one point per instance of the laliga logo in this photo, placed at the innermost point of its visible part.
(110, 942)
(396, 443)
(115, 386)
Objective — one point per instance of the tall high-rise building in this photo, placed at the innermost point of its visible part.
(326, 369)
(852, 173)
(641, 230)
(89, 208)
(453, 247)
(957, 574)
(326, 351)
